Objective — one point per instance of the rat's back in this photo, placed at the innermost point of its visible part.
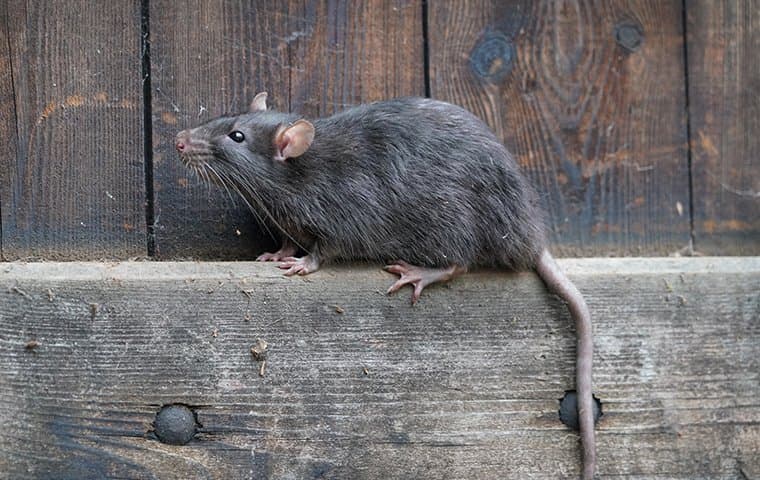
(428, 182)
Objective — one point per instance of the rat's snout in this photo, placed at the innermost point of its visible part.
(182, 140)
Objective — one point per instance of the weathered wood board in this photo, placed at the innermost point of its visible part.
(362, 385)
(210, 58)
(72, 182)
(590, 97)
(350, 52)
(724, 111)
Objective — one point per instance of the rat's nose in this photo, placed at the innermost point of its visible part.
(182, 141)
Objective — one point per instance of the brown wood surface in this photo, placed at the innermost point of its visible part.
(589, 94)
(213, 57)
(590, 97)
(7, 109)
(724, 110)
(353, 52)
(362, 385)
(209, 58)
(72, 179)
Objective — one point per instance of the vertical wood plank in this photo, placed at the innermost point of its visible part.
(7, 110)
(209, 58)
(73, 186)
(354, 52)
(212, 57)
(590, 96)
(724, 111)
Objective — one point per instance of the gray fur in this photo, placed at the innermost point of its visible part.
(409, 179)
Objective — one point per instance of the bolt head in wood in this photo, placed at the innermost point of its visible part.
(568, 410)
(175, 424)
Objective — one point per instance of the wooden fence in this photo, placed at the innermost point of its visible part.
(636, 119)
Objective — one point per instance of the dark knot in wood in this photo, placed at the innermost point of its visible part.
(492, 57)
(175, 424)
(568, 409)
(629, 35)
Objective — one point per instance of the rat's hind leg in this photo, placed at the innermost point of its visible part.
(288, 249)
(420, 277)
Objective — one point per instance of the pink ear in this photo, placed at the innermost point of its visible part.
(293, 140)
(259, 102)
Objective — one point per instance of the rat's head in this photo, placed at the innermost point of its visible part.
(248, 145)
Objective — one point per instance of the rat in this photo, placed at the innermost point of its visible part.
(420, 184)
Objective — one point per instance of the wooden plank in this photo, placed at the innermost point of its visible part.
(209, 58)
(724, 111)
(362, 385)
(7, 107)
(590, 96)
(72, 183)
(212, 57)
(354, 52)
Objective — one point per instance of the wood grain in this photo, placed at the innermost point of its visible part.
(590, 96)
(7, 107)
(72, 179)
(209, 58)
(212, 57)
(353, 52)
(362, 385)
(724, 111)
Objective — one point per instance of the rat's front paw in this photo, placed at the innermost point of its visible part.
(301, 266)
(269, 257)
(287, 250)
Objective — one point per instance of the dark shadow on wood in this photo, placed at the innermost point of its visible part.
(150, 215)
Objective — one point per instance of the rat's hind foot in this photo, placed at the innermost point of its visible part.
(420, 277)
(286, 250)
(301, 266)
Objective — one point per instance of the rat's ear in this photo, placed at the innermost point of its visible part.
(259, 102)
(293, 140)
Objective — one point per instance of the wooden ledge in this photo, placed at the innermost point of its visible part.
(161, 271)
(361, 385)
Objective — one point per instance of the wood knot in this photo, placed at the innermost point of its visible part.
(629, 35)
(175, 424)
(568, 410)
(492, 57)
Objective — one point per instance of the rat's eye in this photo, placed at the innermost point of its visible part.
(237, 136)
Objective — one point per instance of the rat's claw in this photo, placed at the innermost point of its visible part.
(286, 250)
(301, 266)
(418, 286)
(406, 280)
(409, 276)
(296, 269)
(397, 269)
(293, 266)
(419, 277)
(396, 286)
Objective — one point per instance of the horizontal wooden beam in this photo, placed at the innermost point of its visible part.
(358, 384)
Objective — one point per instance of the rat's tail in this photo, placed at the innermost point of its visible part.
(558, 283)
